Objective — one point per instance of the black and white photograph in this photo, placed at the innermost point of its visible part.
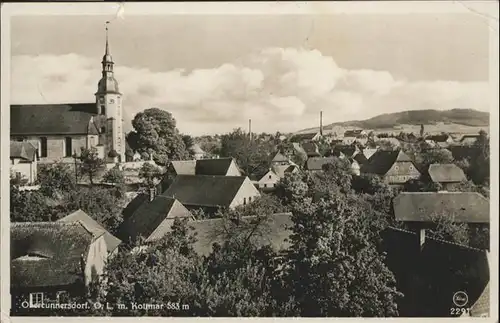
(273, 159)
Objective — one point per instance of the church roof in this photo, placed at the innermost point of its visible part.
(51, 119)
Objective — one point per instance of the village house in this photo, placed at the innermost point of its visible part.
(311, 149)
(151, 220)
(443, 140)
(97, 230)
(198, 153)
(306, 137)
(280, 159)
(61, 130)
(368, 152)
(211, 193)
(53, 259)
(23, 161)
(395, 167)
(468, 140)
(355, 136)
(448, 175)
(267, 181)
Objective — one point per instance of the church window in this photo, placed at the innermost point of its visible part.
(103, 129)
(103, 109)
(68, 147)
(101, 100)
(43, 147)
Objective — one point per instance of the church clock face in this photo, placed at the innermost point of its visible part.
(111, 101)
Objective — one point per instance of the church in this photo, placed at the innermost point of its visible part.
(58, 131)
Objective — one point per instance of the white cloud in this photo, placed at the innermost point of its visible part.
(279, 89)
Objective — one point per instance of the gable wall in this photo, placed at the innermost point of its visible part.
(247, 192)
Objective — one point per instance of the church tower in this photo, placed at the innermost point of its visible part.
(109, 107)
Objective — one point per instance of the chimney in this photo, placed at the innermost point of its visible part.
(250, 128)
(152, 193)
(321, 123)
(422, 238)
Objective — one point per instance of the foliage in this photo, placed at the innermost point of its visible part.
(102, 204)
(291, 189)
(155, 133)
(251, 155)
(150, 175)
(90, 163)
(434, 156)
(28, 206)
(445, 228)
(480, 163)
(114, 175)
(56, 179)
(334, 268)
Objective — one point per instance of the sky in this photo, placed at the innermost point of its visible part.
(214, 72)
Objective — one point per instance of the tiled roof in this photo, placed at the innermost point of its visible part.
(196, 149)
(57, 248)
(381, 161)
(216, 166)
(148, 217)
(467, 207)
(304, 136)
(438, 138)
(274, 231)
(202, 190)
(446, 173)
(46, 119)
(279, 157)
(428, 276)
(184, 167)
(360, 158)
(281, 170)
(22, 150)
(134, 204)
(93, 226)
(347, 150)
(317, 163)
(311, 149)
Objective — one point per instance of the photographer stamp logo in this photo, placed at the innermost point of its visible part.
(460, 299)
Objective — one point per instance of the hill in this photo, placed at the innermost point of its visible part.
(465, 117)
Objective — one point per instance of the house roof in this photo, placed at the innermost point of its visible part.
(279, 157)
(316, 163)
(438, 138)
(58, 247)
(93, 226)
(382, 160)
(304, 136)
(347, 150)
(149, 215)
(311, 149)
(298, 148)
(467, 207)
(216, 166)
(360, 159)
(23, 150)
(353, 133)
(196, 149)
(281, 170)
(204, 190)
(469, 137)
(428, 276)
(184, 167)
(45, 119)
(274, 231)
(446, 173)
(134, 204)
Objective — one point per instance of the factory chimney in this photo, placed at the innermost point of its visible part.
(250, 128)
(321, 123)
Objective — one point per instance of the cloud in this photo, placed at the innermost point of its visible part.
(279, 89)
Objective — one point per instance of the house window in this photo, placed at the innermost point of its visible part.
(265, 185)
(68, 147)
(250, 199)
(244, 201)
(411, 167)
(43, 147)
(269, 176)
(36, 299)
(396, 168)
(103, 129)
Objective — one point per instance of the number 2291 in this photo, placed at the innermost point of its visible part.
(459, 311)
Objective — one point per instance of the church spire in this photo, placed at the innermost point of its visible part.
(107, 60)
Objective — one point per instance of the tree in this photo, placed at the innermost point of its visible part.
(90, 163)
(480, 163)
(56, 179)
(150, 175)
(102, 204)
(334, 268)
(435, 156)
(253, 156)
(28, 206)
(291, 189)
(155, 133)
